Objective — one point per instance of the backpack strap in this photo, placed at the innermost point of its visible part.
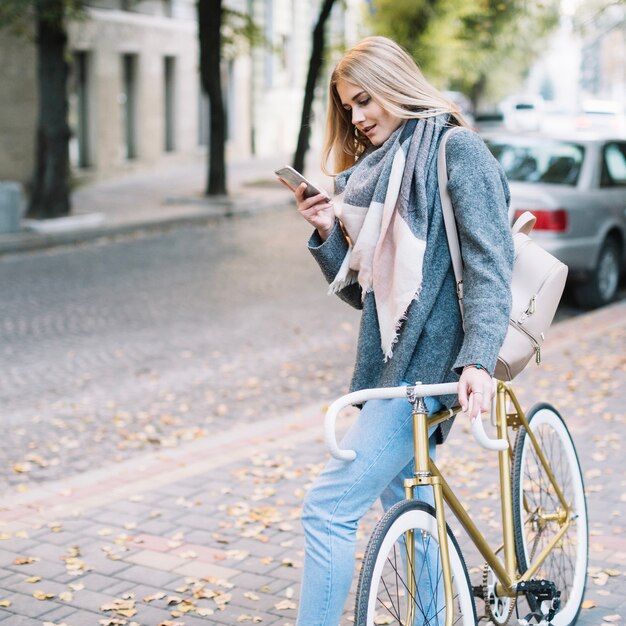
(448, 217)
(524, 223)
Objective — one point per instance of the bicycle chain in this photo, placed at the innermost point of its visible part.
(489, 613)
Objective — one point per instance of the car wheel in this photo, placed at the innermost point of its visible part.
(601, 287)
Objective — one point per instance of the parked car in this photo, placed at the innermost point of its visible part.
(576, 188)
(603, 115)
(523, 113)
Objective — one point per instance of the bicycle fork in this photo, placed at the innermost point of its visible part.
(423, 476)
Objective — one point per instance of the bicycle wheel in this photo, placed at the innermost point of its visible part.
(386, 594)
(536, 507)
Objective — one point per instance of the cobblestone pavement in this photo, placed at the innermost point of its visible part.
(110, 350)
(208, 533)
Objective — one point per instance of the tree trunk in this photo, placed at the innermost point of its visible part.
(477, 91)
(50, 184)
(315, 65)
(210, 39)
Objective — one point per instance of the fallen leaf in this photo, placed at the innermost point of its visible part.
(612, 618)
(42, 595)
(589, 604)
(283, 605)
(251, 595)
(156, 596)
(25, 560)
(5, 603)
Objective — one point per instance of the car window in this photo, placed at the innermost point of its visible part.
(614, 165)
(551, 162)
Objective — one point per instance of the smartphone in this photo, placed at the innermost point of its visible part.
(292, 179)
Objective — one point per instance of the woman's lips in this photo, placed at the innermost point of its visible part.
(368, 129)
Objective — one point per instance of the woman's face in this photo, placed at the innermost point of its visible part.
(376, 123)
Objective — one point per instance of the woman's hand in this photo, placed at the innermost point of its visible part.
(475, 391)
(317, 210)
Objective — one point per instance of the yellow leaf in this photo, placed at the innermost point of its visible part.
(589, 604)
(32, 579)
(42, 595)
(5, 603)
(66, 596)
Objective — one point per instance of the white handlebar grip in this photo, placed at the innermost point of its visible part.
(481, 437)
(330, 438)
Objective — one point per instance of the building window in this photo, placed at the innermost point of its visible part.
(168, 8)
(169, 104)
(128, 100)
(79, 110)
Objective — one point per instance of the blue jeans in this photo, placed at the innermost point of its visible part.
(382, 437)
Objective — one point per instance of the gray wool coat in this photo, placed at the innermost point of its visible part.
(432, 345)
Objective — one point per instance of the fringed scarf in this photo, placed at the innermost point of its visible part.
(383, 206)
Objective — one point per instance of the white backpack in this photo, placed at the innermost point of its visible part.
(536, 286)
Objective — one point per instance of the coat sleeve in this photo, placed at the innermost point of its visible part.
(480, 198)
(329, 255)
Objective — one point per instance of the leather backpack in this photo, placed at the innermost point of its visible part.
(537, 283)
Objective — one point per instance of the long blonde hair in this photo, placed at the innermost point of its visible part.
(391, 77)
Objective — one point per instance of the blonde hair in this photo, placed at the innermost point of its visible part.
(391, 77)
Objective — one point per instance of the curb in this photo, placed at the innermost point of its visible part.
(156, 469)
(201, 213)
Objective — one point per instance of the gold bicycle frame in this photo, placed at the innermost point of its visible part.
(427, 473)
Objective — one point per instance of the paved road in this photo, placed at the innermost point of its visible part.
(110, 348)
(141, 343)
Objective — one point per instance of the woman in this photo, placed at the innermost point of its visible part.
(381, 244)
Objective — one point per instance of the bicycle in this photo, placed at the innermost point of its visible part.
(544, 522)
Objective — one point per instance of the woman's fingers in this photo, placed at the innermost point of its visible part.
(475, 392)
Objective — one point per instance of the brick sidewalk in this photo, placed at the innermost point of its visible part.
(209, 533)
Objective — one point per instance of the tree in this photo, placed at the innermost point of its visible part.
(50, 185)
(482, 49)
(315, 65)
(210, 39)
(222, 33)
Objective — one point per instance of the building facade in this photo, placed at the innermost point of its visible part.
(134, 89)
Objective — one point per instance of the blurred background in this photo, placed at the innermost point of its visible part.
(137, 94)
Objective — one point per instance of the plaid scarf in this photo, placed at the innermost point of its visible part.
(383, 205)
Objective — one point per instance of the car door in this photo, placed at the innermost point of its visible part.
(613, 182)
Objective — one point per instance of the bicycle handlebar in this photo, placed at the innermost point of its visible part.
(388, 393)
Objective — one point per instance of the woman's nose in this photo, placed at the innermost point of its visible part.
(357, 116)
